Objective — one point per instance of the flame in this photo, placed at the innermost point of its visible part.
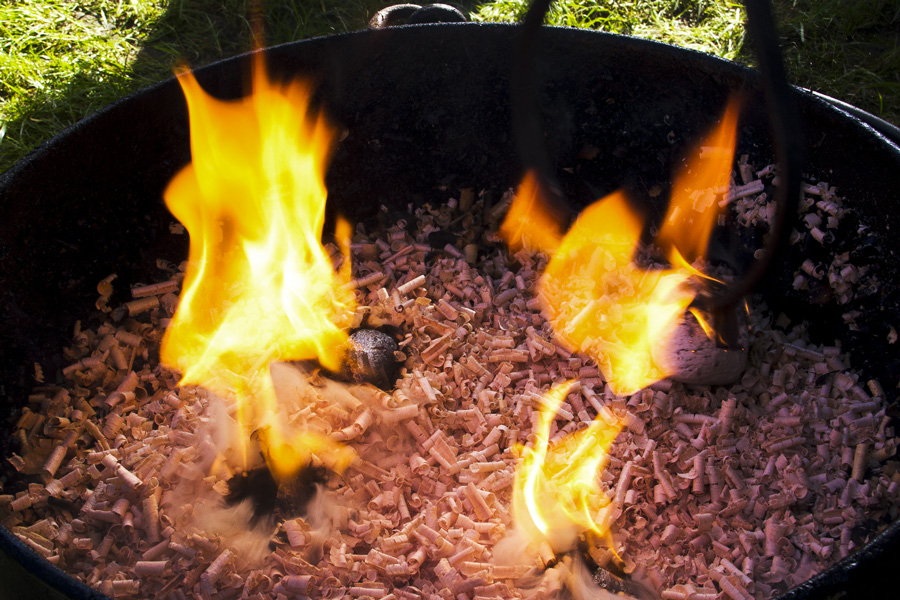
(259, 286)
(597, 299)
(555, 494)
(529, 223)
(693, 209)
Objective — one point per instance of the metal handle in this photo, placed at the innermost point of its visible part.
(786, 134)
(415, 14)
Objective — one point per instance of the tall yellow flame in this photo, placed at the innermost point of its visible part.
(259, 287)
(598, 301)
(555, 494)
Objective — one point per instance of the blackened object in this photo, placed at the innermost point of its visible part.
(258, 486)
(369, 358)
(288, 496)
(617, 585)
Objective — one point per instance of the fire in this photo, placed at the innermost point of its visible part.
(555, 494)
(693, 209)
(260, 287)
(592, 292)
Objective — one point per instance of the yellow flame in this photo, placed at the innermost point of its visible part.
(598, 301)
(259, 287)
(693, 209)
(528, 223)
(705, 325)
(555, 495)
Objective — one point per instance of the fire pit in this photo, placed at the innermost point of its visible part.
(89, 204)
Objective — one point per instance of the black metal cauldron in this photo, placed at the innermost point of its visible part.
(426, 109)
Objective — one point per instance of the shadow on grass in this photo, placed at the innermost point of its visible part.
(195, 32)
(848, 50)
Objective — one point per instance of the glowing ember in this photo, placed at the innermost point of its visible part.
(598, 301)
(260, 287)
(556, 496)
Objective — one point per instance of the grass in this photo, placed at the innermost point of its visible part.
(50, 51)
(849, 49)
(61, 60)
(714, 26)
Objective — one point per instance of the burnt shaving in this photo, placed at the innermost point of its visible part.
(612, 578)
(588, 579)
(613, 583)
(286, 497)
(259, 487)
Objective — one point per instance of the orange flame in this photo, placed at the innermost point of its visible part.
(259, 287)
(529, 223)
(555, 494)
(598, 301)
(693, 210)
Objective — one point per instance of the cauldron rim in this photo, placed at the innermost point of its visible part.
(847, 111)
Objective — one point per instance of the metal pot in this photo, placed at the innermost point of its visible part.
(426, 109)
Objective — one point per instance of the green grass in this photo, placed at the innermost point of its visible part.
(53, 51)
(714, 26)
(849, 49)
(61, 60)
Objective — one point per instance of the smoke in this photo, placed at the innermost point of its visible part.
(566, 576)
(195, 504)
(234, 527)
(228, 447)
(306, 401)
(515, 548)
(587, 583)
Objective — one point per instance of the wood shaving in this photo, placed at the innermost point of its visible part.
(718, 492)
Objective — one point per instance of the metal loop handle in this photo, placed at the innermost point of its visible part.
(415, 14)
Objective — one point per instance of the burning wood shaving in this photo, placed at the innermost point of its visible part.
(726, 492)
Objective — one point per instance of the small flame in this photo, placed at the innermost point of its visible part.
(529, 223)
(693, 209)
(259, 287)
(598, 301)
(555, 495)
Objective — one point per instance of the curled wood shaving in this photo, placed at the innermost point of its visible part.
(737, 492)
